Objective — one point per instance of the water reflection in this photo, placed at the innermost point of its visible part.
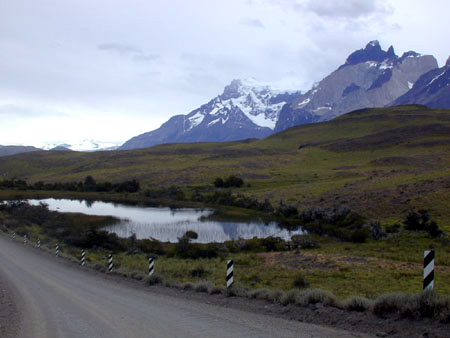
(166, 224)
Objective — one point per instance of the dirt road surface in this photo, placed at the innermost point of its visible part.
(46, 297)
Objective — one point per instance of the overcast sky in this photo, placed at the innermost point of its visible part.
(111, 69)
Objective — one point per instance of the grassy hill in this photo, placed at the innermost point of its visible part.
(378, 162)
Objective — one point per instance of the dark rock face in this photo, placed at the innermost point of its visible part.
(432, 89)
(372, 52)
(370, 78)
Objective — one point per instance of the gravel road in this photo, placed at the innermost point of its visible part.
(54, 299)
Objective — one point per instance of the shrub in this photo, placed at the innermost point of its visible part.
(359, 235)
(187, 286)
(357, 303)
(314, 296)
(303, 242)
(300, 282)
(420, 220)
(216, 290)
(198, 272)
(218, 182)
(153, 279)
(203, 286)
(231, 181)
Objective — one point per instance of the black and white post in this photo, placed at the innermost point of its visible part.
(83, 257)
(25, 239)
(230, 268)
(151, 264)
(428, 270)
(38, 244)
(110, 263)
(14, 235)
(57, 250)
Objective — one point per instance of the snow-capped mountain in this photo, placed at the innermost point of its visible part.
(245, 109)
(83, 145)
(432, 89)
(371, 77)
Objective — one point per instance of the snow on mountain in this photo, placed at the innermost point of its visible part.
(246, 109)
(370, 77)
(82, 145)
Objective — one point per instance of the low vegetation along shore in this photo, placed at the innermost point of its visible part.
(382, 274)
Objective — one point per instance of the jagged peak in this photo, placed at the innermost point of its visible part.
(373, 43)
(391, 52)
(372, 52)
(448, 62)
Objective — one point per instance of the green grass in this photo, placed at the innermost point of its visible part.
(379, 162)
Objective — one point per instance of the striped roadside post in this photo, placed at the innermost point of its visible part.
(25, 239)
(57, 250)
(83, 257)
(38, 243)
(230, 268)
(110, 263)
(428, 270)
(151, 263)
(14, 235)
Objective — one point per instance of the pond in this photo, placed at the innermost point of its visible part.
(166, 224)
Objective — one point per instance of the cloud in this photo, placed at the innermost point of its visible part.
(120, 48)
(128, 49)
(252, 22)
(146, 57)
(349, 9)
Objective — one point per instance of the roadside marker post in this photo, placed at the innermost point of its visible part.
(38, 243)
(151, 263)
(14, 235)
(25, 239)
(57, 250)
(230, 268)
(83, 257)
(110, 264)
(428, 270)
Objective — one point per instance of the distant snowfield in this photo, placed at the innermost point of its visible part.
(83, 145)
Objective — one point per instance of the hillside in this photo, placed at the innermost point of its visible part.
(12, 150)
(380, 162)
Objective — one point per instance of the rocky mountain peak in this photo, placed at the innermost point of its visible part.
(448, 62)
(372, 52)
(232, 90)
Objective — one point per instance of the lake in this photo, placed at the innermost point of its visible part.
(166, 224)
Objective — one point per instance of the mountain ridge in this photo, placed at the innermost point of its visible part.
(370, 77)
(432, 89)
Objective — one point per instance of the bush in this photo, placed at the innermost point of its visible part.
(360, 235)
(231, 181)
(427, 304)
(357, 303)
(314, 296)
(303, 242)
(420, 220)
(203, 286)
(300, 282)
(198, 272)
